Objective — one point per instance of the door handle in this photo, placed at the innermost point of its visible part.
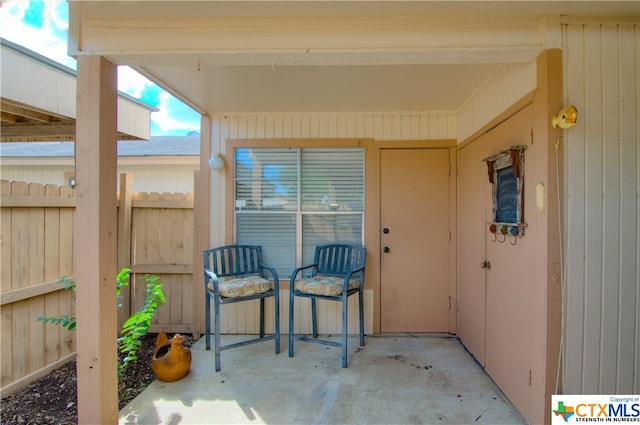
(386, 249)
(485, 264)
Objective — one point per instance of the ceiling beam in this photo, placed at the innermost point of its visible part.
(31, 130)
(25, 113)
(6, 117)
(50, 132)
(308, 40)
(21, 109)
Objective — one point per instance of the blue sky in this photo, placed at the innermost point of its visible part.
(43, 25)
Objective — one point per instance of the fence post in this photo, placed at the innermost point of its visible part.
(201, 217)
(124, 241)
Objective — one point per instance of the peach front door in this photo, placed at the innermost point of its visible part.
(414, 238)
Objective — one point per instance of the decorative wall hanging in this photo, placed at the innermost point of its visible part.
(506, 174)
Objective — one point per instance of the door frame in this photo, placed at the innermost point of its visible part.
(373, 219)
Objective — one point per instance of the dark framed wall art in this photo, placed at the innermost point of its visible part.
(506, 174)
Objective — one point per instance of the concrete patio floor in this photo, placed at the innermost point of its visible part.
(393, 379)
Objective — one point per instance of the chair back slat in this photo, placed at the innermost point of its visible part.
(339, 259)
(233, 260)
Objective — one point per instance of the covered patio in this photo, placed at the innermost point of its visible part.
(395, 378)
(265, 75)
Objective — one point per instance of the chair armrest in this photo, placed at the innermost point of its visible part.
(212, 276)
(274, 275)
(295, 272)
(351, 273)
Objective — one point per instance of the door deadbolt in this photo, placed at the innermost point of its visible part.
(485, 264)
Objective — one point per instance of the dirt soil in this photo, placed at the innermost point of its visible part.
(52, 399)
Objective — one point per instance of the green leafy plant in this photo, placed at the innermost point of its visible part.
(134, 328)
(137, 325)
(66, 321)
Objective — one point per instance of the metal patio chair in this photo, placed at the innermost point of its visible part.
(235, 273)
(337, 272)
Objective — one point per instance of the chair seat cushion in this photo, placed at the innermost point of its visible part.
(324, 285)
(243, 286)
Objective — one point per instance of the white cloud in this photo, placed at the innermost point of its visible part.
(131, 82)
(47, 40)
(166, 118)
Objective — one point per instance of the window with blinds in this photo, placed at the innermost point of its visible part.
(288, 200)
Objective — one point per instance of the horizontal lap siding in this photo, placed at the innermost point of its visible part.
(602, 169)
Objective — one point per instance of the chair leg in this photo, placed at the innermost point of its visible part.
(314, 323)
(361, 302)
(261, 317)
(277, 324)
(216, 326)
(207, 321)
(344, 329)
(291, 323)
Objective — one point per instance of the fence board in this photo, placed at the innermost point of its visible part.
(27, 292)
(66, 301)
(19, 336)
(36, 334)
(5, 240)
(6, 347)
(35, 329)
(52, 272)
(19, 232)
(124, 240)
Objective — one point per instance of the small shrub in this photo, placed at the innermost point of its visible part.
(134, 328)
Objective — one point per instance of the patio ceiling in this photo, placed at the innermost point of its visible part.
(322, 56)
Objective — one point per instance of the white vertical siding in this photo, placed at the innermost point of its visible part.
(509, 84)
(161, 178)
(602, 169)
(379, 126)
(146, 178)
(53, 174)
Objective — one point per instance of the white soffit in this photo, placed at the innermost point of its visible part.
(307, 56)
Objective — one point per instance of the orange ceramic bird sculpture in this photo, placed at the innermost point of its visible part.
(173, 364)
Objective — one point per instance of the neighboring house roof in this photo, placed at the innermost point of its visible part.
(156, 147)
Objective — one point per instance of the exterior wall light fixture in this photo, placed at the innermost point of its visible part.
(216, 163)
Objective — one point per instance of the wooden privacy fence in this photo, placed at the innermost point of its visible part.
(36, 245)
(155, 236)
(159, 242)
